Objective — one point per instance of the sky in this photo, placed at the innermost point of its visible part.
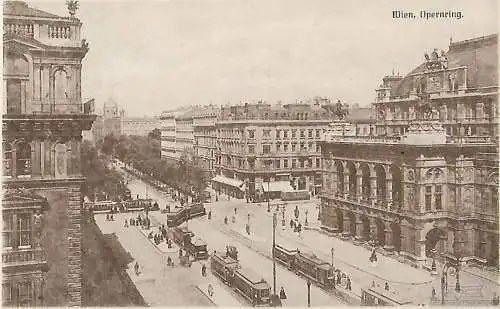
(151, 56)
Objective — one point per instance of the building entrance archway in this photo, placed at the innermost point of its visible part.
(380, 236)
(434, 240)
(396, 236)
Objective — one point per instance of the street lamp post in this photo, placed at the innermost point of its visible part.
(268, 199)
(308, 293)
(306, 223)
(274, 257)
(332, 251)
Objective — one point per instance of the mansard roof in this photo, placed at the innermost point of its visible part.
(21, 8)
(479, 55)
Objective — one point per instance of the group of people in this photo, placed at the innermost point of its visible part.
(139, 221)
(109, 217)
(342, 277)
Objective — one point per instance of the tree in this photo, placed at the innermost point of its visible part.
(155, 134)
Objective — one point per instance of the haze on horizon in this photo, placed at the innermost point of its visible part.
(151, 56)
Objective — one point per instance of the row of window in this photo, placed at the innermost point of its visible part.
(266, 149)
(18, 294)
(266, 133)
(278, 163)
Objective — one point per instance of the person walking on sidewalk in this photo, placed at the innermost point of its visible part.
(282, 293)
(136, 268)
(210, 290)
(203, 270)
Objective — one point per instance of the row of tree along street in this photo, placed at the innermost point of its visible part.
(144, 154)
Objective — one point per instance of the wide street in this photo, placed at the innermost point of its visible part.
(255, 250)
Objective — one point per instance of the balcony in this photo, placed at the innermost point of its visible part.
(38, 108)
(469, 140)
(23, 256)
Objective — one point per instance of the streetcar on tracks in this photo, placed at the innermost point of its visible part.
(255, 290)
(181, 215)
(195, 247)
(378, 296)
(306, 265)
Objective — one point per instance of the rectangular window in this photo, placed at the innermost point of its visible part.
(266, 149)
(278, 147)
(251, 149)
(251, 165)
(266, 133)
(8, 230)
(318, 148)
(294, 134)
(294, 163)
(293, 147)
(318, 132)
(277, 134)
(318, 162)
(437, 198)
(277, 164)
(285, 147)
(285, 134)
(25, 293)
(302, 146)
(310, 133)
(302, 163)
(6, 294)
(302, 133)
(251, 134)
(285, 163)
(310, 146)
(428, 198)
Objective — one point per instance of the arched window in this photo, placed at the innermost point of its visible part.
(16, 69)
(7, 159)
(23, 159)
(60, 87)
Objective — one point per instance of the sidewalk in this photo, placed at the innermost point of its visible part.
(222, 297)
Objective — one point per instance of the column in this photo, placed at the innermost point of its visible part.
(373, 189)
(389, 246)
(359, 185)
(334, 177)
(359, 228)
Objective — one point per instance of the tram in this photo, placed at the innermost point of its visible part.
(377, 296)
(254, 289)
(195, 247)
(180, 216)
(140, 204)
(306, 265)
(102, 206)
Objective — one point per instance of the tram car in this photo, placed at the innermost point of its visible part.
(378, 296)
(140, 204)
(102, 206)
(223, 266)
(306, 265)
(252, 287)
(197, 248)
(182, 236)
(285, 256)
(180, 216)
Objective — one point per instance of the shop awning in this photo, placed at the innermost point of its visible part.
(277, 186)
(229, 181)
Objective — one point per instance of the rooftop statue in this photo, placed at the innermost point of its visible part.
(436, 61)
(340, 110)
(72, 6)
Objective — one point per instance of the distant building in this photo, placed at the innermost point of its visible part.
(205, 137)
(111, 118)
(140, 126)
(167, 127)
(43, 119)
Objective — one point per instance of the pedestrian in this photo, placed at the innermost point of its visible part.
(433, 293)
(209, 215)
(291, 223)
(339, 278)
(234, 210)
(107, 217)
(180, 253)
(203, 270)
(210, 290)
(136, 268)
(282, 293)
(126, 223)
(348, 284)
(225, 220)
(386, 286)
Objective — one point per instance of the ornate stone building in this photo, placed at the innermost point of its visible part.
(167, 127)
(427, 184)
(42, 123)
(205, 137)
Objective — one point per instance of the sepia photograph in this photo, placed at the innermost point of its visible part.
(243, 153)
